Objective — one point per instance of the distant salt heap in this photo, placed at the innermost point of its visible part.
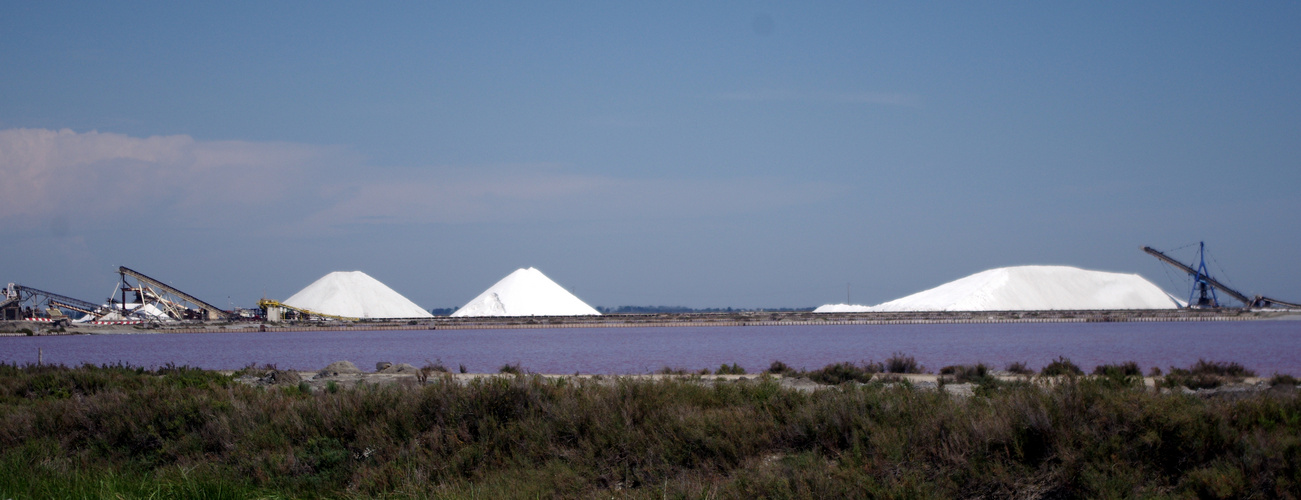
(354, 294)
(842, 308)
(1030, 288)
(526, 292)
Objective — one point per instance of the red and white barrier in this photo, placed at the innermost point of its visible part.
(131, 322)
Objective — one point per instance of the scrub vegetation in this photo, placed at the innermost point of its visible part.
(177, 432)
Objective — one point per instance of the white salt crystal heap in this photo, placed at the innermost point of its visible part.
(1030, 288)
(842, 308)
(526, 292)
(354, 294)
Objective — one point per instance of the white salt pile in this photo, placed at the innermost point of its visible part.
(1030, 288)
(842, 308)
(135, 311)
(354, 294)
(526, 292)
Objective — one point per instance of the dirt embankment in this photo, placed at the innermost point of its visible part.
(739, 318)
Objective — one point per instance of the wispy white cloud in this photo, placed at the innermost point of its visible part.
(160, 182)
(772, 95)
(95, 177)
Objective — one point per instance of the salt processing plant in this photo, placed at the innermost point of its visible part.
(344, 299)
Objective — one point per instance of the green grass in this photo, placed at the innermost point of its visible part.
(116, 431)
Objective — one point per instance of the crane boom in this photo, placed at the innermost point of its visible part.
(214, 312)
(1209, 280)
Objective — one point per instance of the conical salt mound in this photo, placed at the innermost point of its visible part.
(526, 292)
(354, 294)
(1037, 288)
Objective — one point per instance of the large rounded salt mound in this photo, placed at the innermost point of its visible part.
(1037, 288)
(355, 294)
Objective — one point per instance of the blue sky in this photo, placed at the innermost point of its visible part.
(702, 154)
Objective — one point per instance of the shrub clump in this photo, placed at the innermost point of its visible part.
(1206, 375)
(962, 373)
(780, 368)
(1126, 369)
(1018, 368)
(1221, 368)
(431, 368)
(1126, 374)
(839, 373)
(899, 363)
(1061, 366)
(1282, 379)
(733, 369)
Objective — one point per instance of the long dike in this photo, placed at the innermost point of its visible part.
(732, 319)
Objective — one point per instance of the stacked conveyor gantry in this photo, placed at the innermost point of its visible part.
(18, 294)
(209, 311)
(1204, 286)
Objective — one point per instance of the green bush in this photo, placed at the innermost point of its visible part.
(1019, 368)
(839, 373)
(1126, 369)
(780, 368)
(733, 369)
(899, 363)
(1061, 366)
(1205, 375)
(1282, 379)
(1126, 374)
(1220, 368)
(962, 373)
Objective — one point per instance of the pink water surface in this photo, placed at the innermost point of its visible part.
(1265, 346)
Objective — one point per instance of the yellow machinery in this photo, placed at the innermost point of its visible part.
(269, 305)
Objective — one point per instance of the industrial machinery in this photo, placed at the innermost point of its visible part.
(45, 303)
(274, 311)
(166, 299)
(150, 299)
(1204, 289)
